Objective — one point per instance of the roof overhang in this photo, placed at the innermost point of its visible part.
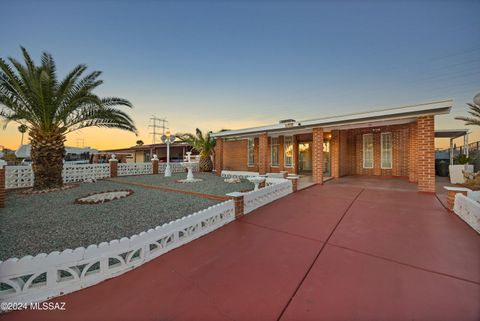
(388, 116)
(450, 133)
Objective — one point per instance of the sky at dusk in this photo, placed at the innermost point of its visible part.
(235, 64)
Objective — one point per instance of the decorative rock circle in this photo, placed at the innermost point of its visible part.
(102, 197)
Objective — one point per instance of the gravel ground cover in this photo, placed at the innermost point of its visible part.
(211, 184)
(32, 224)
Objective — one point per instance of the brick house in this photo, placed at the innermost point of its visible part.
(396, 142)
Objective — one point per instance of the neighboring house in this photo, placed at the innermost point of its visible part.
(75, 155)
(396, 142)
(144, 153)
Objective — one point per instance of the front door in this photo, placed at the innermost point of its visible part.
(305, 158)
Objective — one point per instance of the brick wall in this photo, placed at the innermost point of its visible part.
(400, 151)
(335, 158)
(412, 153)
(264, 157)
(317, 155)
(218, 156)
(426, 154)
(235, 155)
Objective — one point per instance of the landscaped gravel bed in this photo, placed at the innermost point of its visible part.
(32, 224)
(211, 184)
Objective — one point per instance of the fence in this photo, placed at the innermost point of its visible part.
(22, 176)
(33, 279)
(275, 189)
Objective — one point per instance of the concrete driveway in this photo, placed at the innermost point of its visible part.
(328, 252)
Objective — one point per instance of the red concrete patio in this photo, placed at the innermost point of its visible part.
(331, 252)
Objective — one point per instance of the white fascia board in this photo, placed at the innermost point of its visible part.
(425, 109)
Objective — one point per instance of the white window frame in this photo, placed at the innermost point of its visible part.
(364, 151)
(290, 142)
(390, 150)
(250, 153)
(274, 143)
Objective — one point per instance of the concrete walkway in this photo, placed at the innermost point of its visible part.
(325, 253)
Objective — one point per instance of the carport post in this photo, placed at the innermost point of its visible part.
(451, 151)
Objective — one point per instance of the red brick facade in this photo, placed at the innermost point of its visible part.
(317, 155)
(413, 153)
(426, 154)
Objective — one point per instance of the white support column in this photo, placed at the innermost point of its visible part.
(451, 151)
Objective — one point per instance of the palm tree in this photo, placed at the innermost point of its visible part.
(474, 112)
(22, 129)
(204, 144)
(33, 95)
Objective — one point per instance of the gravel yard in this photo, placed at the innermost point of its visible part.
(211, 183)
(32, 224)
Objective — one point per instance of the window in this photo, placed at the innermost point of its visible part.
(386, 142)
(368, 151)
(251, 145)
(288, 148)
(274, 151)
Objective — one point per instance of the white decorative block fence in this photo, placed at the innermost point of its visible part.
(82, 172)
(125, 169)
(468, 209)
(18, 176)
(22, 176)
(238, 174)
(34, 279)
(275, 189)
(176, 167)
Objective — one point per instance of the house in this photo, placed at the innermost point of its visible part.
(395, 142)
(73, 155)
(143, 153)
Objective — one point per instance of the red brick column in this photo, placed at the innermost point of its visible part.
(426, 154)
(412, 153)
(238, 203)
(317, 155)
(295, 154)
(155, 164)
(2, 186)
(113, 167)
(263, 153)
(294, 180)
(451, 196)
(218, 157)
(335, 153)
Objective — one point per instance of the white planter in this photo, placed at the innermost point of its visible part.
(456, 174)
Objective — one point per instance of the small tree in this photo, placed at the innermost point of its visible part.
(204, 144)
(22, 129)
(139, 142)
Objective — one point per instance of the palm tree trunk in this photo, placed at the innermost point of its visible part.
(47, 156)
(205, 164)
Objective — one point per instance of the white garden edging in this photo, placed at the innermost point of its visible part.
(84, 267)
(275, 189)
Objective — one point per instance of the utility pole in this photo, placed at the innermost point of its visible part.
(156, 124)
(80, 141)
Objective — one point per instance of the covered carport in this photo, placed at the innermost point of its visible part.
(453, 134)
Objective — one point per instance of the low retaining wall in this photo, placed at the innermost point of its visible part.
(33, 279)
(468, 209)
